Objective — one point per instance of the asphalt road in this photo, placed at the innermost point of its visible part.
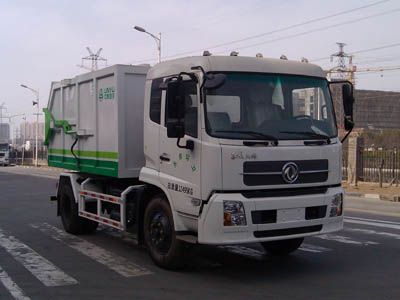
(39, 261)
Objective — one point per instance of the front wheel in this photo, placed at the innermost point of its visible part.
(159, 235)
(282, 247)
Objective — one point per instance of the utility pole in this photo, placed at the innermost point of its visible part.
(342, 71)
(93, 58)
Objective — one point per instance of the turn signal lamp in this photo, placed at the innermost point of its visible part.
(336, 205)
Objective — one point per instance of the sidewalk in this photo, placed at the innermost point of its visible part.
(372, 190)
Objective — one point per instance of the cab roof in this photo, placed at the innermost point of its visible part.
(234, 64)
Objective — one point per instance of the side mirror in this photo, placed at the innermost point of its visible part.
(175, 129)
(348, 101)
(214, 81)
(175, 109)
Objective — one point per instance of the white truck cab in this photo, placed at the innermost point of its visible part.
(235, 150)
(266, 158)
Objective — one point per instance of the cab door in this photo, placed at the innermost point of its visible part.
(179, 167)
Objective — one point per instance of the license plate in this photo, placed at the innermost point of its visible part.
(290, 214)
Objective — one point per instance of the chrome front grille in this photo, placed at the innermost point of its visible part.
(271, 173)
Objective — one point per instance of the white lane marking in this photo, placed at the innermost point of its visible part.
(121, 235)
(375, 224)
(369, 231)
(313, 248)
(344, 240)
(11, 286)
(372, 220)
(115, 262)
(40, 267)
(245, 251)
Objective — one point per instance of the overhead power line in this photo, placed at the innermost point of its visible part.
(291, 26)
(273, 31)
(394, 70)
(376, 60)
(362, 51)
(372, 70)
(319, 29)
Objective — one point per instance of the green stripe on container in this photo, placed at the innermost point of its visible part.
(92, 166)
(83, 153)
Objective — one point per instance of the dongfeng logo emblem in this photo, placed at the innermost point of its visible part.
(290, 172)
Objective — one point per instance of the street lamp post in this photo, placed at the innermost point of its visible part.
(37, 119)
(156, 38)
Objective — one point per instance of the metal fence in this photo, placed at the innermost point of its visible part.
(27, 157)
(381, 165)
(377, 165)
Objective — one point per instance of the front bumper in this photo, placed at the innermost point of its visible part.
(291, 223)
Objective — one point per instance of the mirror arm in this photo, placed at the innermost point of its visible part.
(347, 134)
(345, 137)
(204, 74)
(189, 144)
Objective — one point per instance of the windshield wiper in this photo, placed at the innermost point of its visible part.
(253, 133)
(311, 134)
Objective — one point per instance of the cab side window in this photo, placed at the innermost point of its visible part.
(155, 100)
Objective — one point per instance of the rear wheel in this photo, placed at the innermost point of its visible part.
(282, 247)
(159, 235)
(70, 218)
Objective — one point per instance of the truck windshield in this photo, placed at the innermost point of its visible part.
(270, 106)
(3, 147)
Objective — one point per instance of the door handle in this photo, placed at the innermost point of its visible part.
(164, 157)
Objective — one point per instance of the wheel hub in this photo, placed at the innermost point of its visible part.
(160, 232)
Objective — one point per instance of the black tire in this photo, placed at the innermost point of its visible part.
(160, 237)
(282, 247)
(69, 213)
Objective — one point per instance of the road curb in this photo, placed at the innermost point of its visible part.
(43, 167)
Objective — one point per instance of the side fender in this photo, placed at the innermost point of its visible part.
(151, 177)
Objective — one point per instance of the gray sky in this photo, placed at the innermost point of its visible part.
(43, 41)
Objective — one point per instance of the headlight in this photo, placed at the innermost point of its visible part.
(234, 214)
(336, 205)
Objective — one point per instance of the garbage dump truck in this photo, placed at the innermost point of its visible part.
(200, 150)
(4, 154)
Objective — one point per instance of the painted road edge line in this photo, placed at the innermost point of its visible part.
(11, 286)
(376, 224)
(372, 220)
(373, 232)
